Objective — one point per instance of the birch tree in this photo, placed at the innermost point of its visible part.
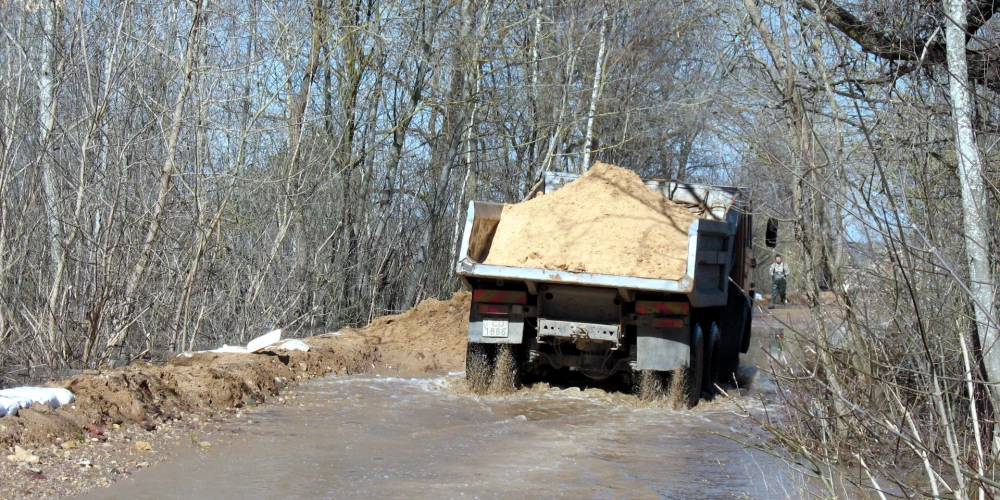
(595, 93)
(975, 207)
(47, 109)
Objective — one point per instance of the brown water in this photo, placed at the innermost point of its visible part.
(426, 438)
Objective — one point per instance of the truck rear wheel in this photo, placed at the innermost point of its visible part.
(480, 361)
(712, 361)
(695, 370)
(737, 319)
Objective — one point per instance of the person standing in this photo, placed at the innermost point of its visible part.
(779, 272)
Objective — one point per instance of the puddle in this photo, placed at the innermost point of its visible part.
(428, 438)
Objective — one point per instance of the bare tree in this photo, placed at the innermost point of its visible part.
(595, 93)
(187, 70)
(456, 123)
(47, 108)
(975, 208)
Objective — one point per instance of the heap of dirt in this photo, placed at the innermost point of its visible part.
(160, 402)
(605, 222)
(430, 338)
(202, 383)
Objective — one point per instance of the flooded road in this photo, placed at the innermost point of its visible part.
(427, 438)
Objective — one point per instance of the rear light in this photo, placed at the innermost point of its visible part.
(668, 323)
(492, 308)
(500, 297)
(657, 307)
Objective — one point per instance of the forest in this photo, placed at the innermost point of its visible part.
(181, 174)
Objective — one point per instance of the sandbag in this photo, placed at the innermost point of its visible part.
(24, 397)
(8, 406)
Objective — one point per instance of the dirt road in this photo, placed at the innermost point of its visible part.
(428, 438)
(400, 429)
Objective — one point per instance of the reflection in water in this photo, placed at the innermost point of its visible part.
(426, 438)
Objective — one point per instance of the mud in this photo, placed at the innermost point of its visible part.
(428, 438)
(356, 434)
(92, 460)
(145, 392)
(428, 339)
(605, 222)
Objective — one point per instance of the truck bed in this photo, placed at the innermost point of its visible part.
(709, 249)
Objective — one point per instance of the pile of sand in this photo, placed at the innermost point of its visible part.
(202, 383)
(430, 338)
(605, 222)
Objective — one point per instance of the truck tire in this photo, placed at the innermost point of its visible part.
(693, 373)
(480, 361)
(747, 329)
(712, 361)
(735, 329)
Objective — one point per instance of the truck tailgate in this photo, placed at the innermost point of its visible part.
(708, 259)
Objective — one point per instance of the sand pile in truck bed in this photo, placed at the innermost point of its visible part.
(605, 222)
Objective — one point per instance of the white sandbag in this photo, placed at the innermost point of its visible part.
(22, 400)
(52, 396)
(8, 406)
(294, 345)
(265, 340)
(254, 345)
(229, 348)
(64, 396)
(27, 396)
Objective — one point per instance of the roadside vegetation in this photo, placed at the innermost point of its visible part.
(183, 174)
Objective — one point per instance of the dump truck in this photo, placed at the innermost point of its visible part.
(526, 320)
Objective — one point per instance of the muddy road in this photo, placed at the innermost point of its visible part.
(381, 420)
(427, 437)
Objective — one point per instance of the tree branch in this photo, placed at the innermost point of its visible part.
(982, 66)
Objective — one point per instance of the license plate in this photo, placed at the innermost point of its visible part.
(494, 328)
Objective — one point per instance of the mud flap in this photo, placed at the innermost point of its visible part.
(662, 349)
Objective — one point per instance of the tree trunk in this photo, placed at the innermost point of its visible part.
(293, 184)
(595, 93)
(460, 205)
(802, 160)
(47, 104)
(975, 208)
(405, 116)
